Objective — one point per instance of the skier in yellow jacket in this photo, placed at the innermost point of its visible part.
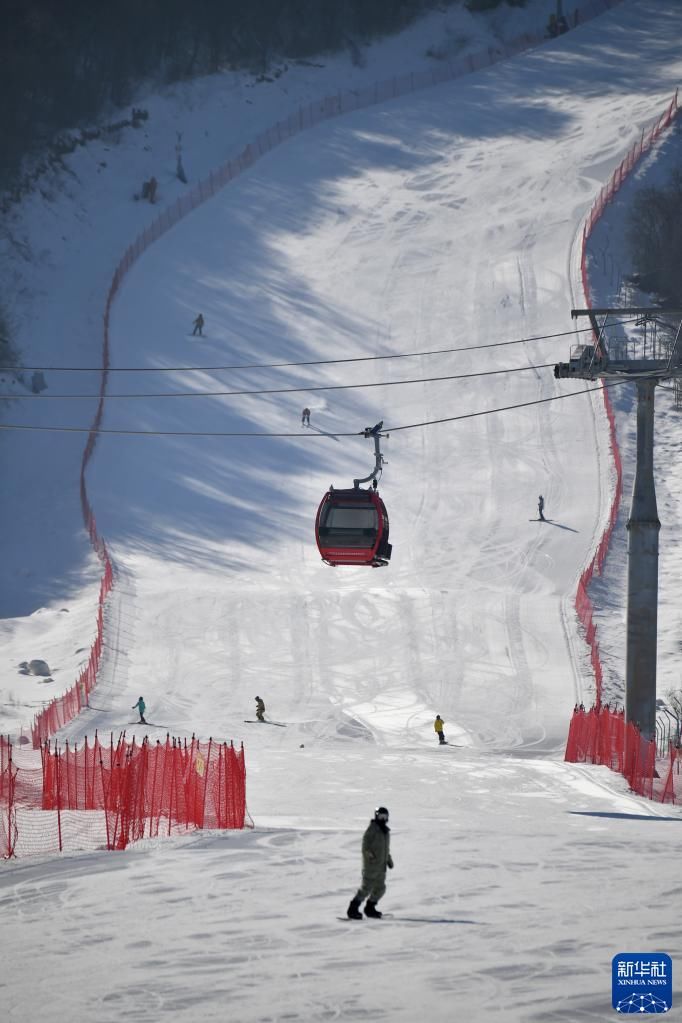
(438, 728)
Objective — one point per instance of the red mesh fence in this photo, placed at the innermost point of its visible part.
(107, 796)
(66, 707)
(583, 602)
(603, 736)
(621, 172)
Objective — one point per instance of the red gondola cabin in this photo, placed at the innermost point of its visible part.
(352, 528)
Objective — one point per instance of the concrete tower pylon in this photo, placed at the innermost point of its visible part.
(643, 527)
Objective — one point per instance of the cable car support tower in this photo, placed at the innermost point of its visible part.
(646, 363)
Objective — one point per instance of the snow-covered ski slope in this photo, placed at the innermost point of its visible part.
(446, 219)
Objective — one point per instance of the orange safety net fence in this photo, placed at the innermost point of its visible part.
(65, 708)
(107, 796)
(603, 736)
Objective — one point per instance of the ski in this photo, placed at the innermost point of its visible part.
(253, 721)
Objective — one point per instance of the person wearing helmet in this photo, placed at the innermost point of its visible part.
(438, 727)
(141, 707)
(376, 857)
(260, 709)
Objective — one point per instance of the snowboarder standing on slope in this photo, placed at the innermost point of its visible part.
(140, 705)
(305, 417)
(438, 728)
(541, 508)
(198, 325)
(376, 857)
(260, 709)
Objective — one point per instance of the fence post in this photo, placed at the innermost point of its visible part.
(105, 800)
(152, 805)
(59, 796)
(206, 770)
(172, 782)
(219, 814)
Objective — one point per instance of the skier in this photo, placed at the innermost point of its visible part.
(438, 727)
(260, 709)
(376, 857)
(541, 508)
(305, 417)
(198, 325)
(140, 705)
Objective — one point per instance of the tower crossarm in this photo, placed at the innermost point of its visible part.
(594, 361)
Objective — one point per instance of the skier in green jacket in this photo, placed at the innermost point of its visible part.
(140, 705)
(376, 857)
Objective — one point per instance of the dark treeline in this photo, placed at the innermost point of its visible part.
(63, 61)
(654, 233)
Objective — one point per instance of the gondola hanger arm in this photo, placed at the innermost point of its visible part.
(373, 431)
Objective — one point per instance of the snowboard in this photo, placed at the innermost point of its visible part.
(350, 920)
(254, 721)
(409, 919)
